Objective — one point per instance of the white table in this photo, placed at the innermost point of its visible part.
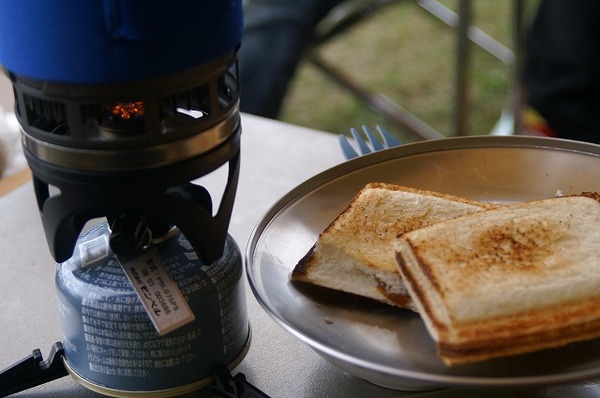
(275, 158)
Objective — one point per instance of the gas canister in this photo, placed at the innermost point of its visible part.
(110, 343)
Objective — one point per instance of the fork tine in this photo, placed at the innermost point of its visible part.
(389, 139)
(376, 142)
(347, 148)
(373, 143)
(364, 148)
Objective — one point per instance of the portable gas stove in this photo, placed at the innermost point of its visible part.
(123, 105)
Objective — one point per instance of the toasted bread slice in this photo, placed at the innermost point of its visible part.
(355, 254)
(511, 280)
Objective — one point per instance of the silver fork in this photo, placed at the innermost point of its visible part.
(373, 143)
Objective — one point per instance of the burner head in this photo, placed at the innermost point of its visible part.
(127, 127)
(133, 149)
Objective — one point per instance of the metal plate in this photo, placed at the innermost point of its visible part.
(390, 346)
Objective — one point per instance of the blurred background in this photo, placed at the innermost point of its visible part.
(402, 51)
(407, 54)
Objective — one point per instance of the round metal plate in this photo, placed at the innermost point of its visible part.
(390, 346)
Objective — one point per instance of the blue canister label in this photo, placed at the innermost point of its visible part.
(108, 337)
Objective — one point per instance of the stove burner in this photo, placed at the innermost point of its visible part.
(133, 148)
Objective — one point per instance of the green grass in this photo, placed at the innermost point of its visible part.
(408, 55)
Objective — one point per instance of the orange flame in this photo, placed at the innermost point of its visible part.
(128, 110)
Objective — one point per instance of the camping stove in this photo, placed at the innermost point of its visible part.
(124, 105)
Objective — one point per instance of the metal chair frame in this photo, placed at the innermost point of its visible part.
(348, 13)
